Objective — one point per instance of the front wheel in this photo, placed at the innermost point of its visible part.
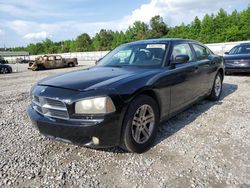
(4, 70)
(140, 124)
(217, 88)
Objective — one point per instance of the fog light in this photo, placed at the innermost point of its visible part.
(95, 140)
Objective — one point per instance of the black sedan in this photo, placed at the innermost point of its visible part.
(5, 69)
(122, 100)
(238, 59)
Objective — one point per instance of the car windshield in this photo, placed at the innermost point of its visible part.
(244, 49)
(135, 55)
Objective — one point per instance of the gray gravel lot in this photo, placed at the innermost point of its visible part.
(205, 146)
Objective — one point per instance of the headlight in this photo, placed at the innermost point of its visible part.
(31, 91)
(99, 105)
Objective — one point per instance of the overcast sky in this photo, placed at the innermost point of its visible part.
(26, 21)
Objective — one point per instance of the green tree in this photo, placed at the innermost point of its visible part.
(211, 28)
(118, 39)
(207, 29)
(103, 40)
(158, 27)
(83, 43)
(138, 31)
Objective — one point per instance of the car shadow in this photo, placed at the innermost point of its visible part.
(181, 120)
(241, 74)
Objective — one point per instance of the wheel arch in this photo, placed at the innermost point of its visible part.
(151, 93)
(145, 91)
(148, 92)
(222, 72)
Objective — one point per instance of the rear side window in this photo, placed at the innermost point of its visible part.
(182, 49)
(58, 58)
(200, 51)
(51, 58)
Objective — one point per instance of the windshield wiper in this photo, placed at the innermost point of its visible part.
(119, 66)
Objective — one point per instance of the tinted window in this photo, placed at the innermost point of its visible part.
(240, 50)
(182, 49)
(135, 54)
(200, 51)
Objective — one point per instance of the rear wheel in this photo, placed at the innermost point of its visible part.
(71, 64)
(217, 88)
(140, 124)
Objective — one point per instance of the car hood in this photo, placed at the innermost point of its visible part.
(237, 57)
(93, 78)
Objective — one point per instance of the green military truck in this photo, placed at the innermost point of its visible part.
(51, 62)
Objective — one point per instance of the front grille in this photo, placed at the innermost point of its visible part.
(50, 107)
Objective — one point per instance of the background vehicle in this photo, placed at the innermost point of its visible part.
(123, 99)
(3, 61)
(238, 59)
(52, 62)
(23, 61)
(5, 69)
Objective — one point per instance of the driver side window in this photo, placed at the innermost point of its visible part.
(182, 49)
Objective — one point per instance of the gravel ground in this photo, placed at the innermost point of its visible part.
(205, 146)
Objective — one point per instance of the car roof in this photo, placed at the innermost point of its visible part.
(163, 40)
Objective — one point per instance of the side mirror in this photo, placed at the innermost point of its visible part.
(226, 53)
(179, 59)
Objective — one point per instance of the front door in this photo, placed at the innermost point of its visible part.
(184, 78)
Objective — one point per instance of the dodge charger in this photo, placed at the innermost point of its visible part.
(124, 98)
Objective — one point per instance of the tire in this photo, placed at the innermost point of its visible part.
(4, 70)
(139, 135)
(40, 67)
(71, 64)
(217, 88)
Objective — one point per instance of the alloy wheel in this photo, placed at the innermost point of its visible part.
(143, 124)
(217, 86)
(4, 70)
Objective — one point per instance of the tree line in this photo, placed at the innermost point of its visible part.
(214, 28)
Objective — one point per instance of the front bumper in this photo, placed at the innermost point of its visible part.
(78, 132)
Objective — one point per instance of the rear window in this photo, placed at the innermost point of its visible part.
(244, 49)
(200, 51)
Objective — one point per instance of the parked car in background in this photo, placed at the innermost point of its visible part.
(3, 61)
(238, 59)
(4, 69)
(122, 100)
(23, 61)
(52, 62)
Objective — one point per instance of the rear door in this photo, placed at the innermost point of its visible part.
(204, 64)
